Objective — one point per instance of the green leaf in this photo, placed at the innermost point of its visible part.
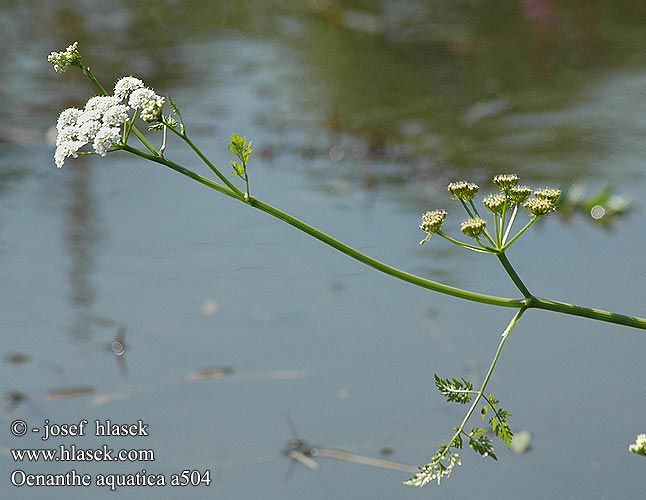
(240, 147)
(172, 105)
(500, 427)
(156, 126)
(483, 446)
(454, 390)
(238, 169)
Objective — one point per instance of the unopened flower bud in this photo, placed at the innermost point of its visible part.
(473, 227)
(432, 221)
(518, 194)
(462, 190)
(548, 194)
(495, 202)
(538, 206)
(505, 181)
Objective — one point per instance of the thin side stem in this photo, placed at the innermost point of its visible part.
(206, 161)
(517, 235)
(485, 381)
(509, 224)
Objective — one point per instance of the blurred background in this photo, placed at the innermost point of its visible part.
(129, 292)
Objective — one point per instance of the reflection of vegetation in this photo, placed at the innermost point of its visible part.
(477, 99)
(9, 176)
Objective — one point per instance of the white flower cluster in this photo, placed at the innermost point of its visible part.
(99, 122)
(639, 446)
(63, 60)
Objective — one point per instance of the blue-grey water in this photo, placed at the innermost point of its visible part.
(238, 332)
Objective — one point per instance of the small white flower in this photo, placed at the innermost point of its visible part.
(101, 103)
(88, 130)
(105, 138)
(93, 115)
(125, 86)
(66, 134)
(67, 117)
(116, 115)
(141, 97)
(65, 149)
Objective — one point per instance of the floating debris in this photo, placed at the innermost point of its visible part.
(105, 398)
(210, 372)
(69, 392)
(16, 358)
(15, 399)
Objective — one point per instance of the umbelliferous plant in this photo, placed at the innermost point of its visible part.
(108, 122)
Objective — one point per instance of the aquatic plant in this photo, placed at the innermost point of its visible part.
(107, 122)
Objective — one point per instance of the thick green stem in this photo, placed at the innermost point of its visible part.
(587, 312)
(380, 266)
(513, 274)
(184, 171)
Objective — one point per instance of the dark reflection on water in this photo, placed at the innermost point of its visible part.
(81, 241)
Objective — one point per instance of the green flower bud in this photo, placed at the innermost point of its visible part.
(505, 181)
(462, 190)
(495, 202)
(548, 194)
(432, 221)
(63, 60)
(473, 227)
(518, 194)
(538, 206)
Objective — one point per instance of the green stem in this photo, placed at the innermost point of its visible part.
(587, 312)
(513, 274)
(380, 266)
(485, 381)
(509, 224)
(333, 242)
(517, 235)
(476, 214)
(206, 161)
(526, 303)
(184, 171)
(482, 249)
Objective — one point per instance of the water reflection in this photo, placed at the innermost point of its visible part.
(81, 241)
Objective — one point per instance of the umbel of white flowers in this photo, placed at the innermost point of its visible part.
(100, 122)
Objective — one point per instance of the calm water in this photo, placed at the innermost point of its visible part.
(238, 333)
